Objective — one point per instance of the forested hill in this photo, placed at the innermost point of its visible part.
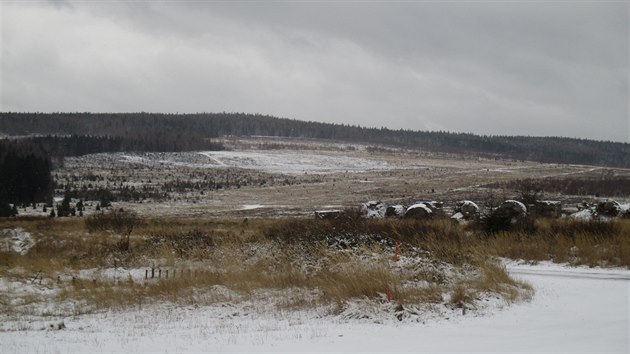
(193, 128)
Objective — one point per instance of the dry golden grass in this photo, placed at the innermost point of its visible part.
(247, 256)
(93, 295)
(431, 294)
(592, 243)
(462, 295)
(494, 278)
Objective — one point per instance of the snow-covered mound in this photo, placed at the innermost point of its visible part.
(548, 208)
(423, 209)
(515, 206)
(397, 211)
(604, 210)
(418, 210)
(466, 209)
(373, 209)
(584, 214)
(608, 208)
(17, 240)
(458, 216)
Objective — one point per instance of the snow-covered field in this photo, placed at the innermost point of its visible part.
(271, 161)
(574, 310)
(292, 162)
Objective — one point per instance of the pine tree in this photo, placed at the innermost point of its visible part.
(64, 209)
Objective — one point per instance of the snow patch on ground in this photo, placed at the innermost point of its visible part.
(566, 270)
(271, 161)
(293, 162)
(17, 240)
(458, 216)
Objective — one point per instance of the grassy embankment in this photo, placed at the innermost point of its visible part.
(333, 260)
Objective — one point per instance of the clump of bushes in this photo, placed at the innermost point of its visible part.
(119, 221)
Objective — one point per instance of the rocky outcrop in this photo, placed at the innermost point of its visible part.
(373, 209)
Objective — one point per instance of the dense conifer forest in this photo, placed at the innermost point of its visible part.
(24, 175)
(180, 132)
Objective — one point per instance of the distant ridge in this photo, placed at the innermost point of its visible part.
(192, 128)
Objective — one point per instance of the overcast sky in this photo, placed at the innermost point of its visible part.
(517, 68)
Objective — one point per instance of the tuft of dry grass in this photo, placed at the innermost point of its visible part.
(495, 279)
(431, 293)
(462, 295)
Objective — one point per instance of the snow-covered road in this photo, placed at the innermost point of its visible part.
(574, 310)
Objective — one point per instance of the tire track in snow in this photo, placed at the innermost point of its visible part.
(572, 273)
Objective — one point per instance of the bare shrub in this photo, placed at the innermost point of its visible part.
(195, 243)
(119, 221)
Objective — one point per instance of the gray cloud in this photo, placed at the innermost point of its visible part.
(526, 68)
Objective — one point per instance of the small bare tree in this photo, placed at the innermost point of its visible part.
(119, 221)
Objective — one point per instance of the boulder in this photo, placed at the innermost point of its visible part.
(548, 208)
(514, 208)
(419, 211)
(467, 210)
(436, 207)
(373, 209)
(608, 208)
(509, 213)
(395, 211)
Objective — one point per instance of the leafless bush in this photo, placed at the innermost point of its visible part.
(190, 243)
(119, 221)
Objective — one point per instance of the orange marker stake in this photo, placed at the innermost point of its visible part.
(389, 296)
